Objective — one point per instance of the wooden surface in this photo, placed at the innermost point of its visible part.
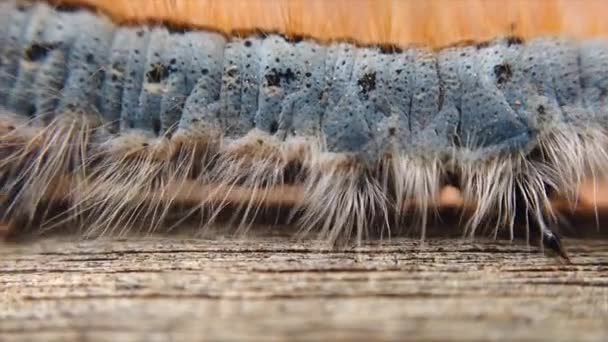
(272, 288)
(402, 22)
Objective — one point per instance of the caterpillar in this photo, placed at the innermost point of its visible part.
(112, 128)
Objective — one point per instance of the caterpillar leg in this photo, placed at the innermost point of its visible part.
(553, 242)
(539, 226)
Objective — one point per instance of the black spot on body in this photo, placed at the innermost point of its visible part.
(503, 73)
(274, 127)
(388, 49)
(367, 82)
(156, 126)
(157, 73)
(38, 51)
(482, 45)
(274, 77)
(513, 40)
(31, 110)
(540, 109)
(232, 72)
(90, 59)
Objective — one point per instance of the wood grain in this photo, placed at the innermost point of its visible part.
(272, 288)
(403, 22)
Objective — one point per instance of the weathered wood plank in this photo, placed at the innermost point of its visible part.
(155, 289)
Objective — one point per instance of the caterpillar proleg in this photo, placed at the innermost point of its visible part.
(110, 127)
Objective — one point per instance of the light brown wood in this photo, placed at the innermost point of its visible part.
(271, 288)
(430, 22)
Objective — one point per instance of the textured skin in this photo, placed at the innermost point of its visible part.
(488, 99)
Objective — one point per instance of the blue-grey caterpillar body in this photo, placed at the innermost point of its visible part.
(372, 131)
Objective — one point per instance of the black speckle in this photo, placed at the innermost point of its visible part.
(157, 73)
(204, 71)
(274, 127)
(114, 78)
(392, 131)
(172, 61)
(274, 77)
(156, 126)
(308, 74)
(31, 110)
(232, 72)
(503, 73)
(367, 82)
(540, 109)
(293, 39)
(248, 43)
(140, 33)
(388, 49)
(513, 40)
(482, 45)
(38, 51)
(90, 58)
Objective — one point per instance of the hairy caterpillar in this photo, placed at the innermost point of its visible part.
(114, 126)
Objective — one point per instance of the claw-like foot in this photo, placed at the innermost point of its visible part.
(553, 242)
